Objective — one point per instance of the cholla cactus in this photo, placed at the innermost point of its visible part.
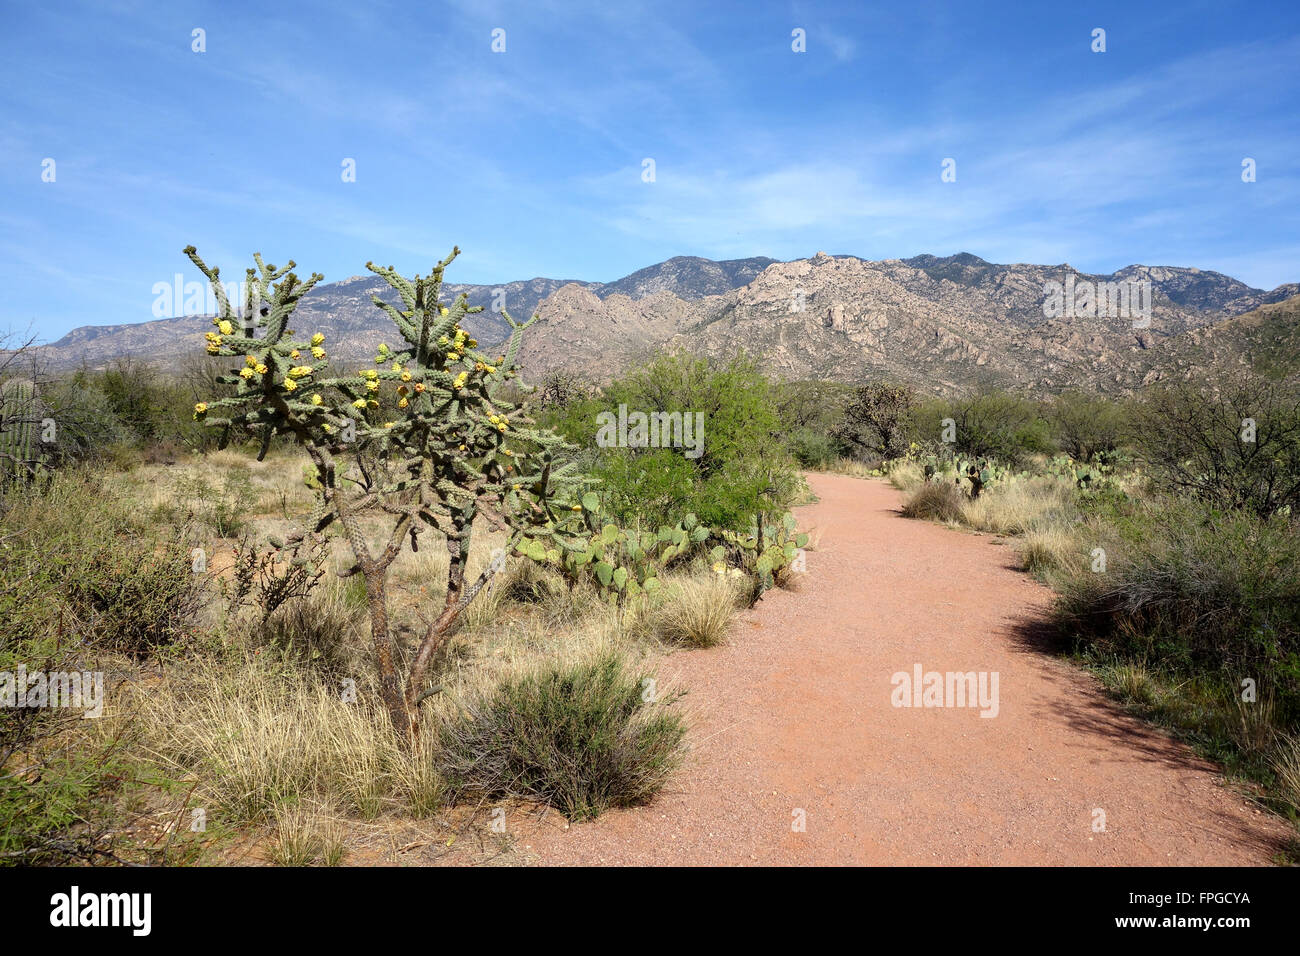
(453, 449)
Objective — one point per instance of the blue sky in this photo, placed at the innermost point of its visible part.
(531, 159)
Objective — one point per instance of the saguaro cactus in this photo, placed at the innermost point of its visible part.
(21, 453)
(455, 449)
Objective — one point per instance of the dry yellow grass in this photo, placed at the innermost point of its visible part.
(906, 475)
(1286, 766)
(260, 734)
(1052, 547)
(852, 468)
(693, 611)
(1016, 507)
(265, 729)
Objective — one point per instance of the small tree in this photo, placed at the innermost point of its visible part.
(1236, 445)
(875, 422)
(455, 450)
(1086, 426)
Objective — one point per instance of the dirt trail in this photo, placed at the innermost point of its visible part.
(795, 713)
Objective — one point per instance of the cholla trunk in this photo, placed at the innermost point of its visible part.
(390, 685)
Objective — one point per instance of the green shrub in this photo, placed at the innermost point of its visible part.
(742, 467)
(1086, 426)
(224, 509)
(59, 780)
(808, 413)
(990, 424)
(80, 559)
(655, 487)
(578, 736)
(1198, 591)
(813, 449)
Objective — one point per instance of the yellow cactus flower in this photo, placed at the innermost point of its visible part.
(260, 369)
(251, 361)
(214, 349)
(245, 372)
(406, 376)
(419, 386)
(373, 386)
(359, 403)
(317, 352)
(290, 385)
(397, 366)
(444, 310)
(294, 354)
(370, 373)
(389, 424)
(317, 339)
(492, 369)
(443, 340)
(300, 371)
(212, 336)
(201, 408)
(403, 402)
(225, 327)
(316, 400)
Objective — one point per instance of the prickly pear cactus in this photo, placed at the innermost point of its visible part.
(765, 551)
(620, 563)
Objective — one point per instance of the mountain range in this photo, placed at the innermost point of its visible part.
(938, 323)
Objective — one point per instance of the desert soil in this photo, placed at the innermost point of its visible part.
(793, 719)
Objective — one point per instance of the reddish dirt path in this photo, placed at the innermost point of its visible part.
(795, 713)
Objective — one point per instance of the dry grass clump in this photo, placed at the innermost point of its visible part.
(906, 475)
(326, 631)
(262, 733)
(1020, 506)
(694, 611)
(1051, 548)
(303, 837)
(935, 500)
(1286, 768)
